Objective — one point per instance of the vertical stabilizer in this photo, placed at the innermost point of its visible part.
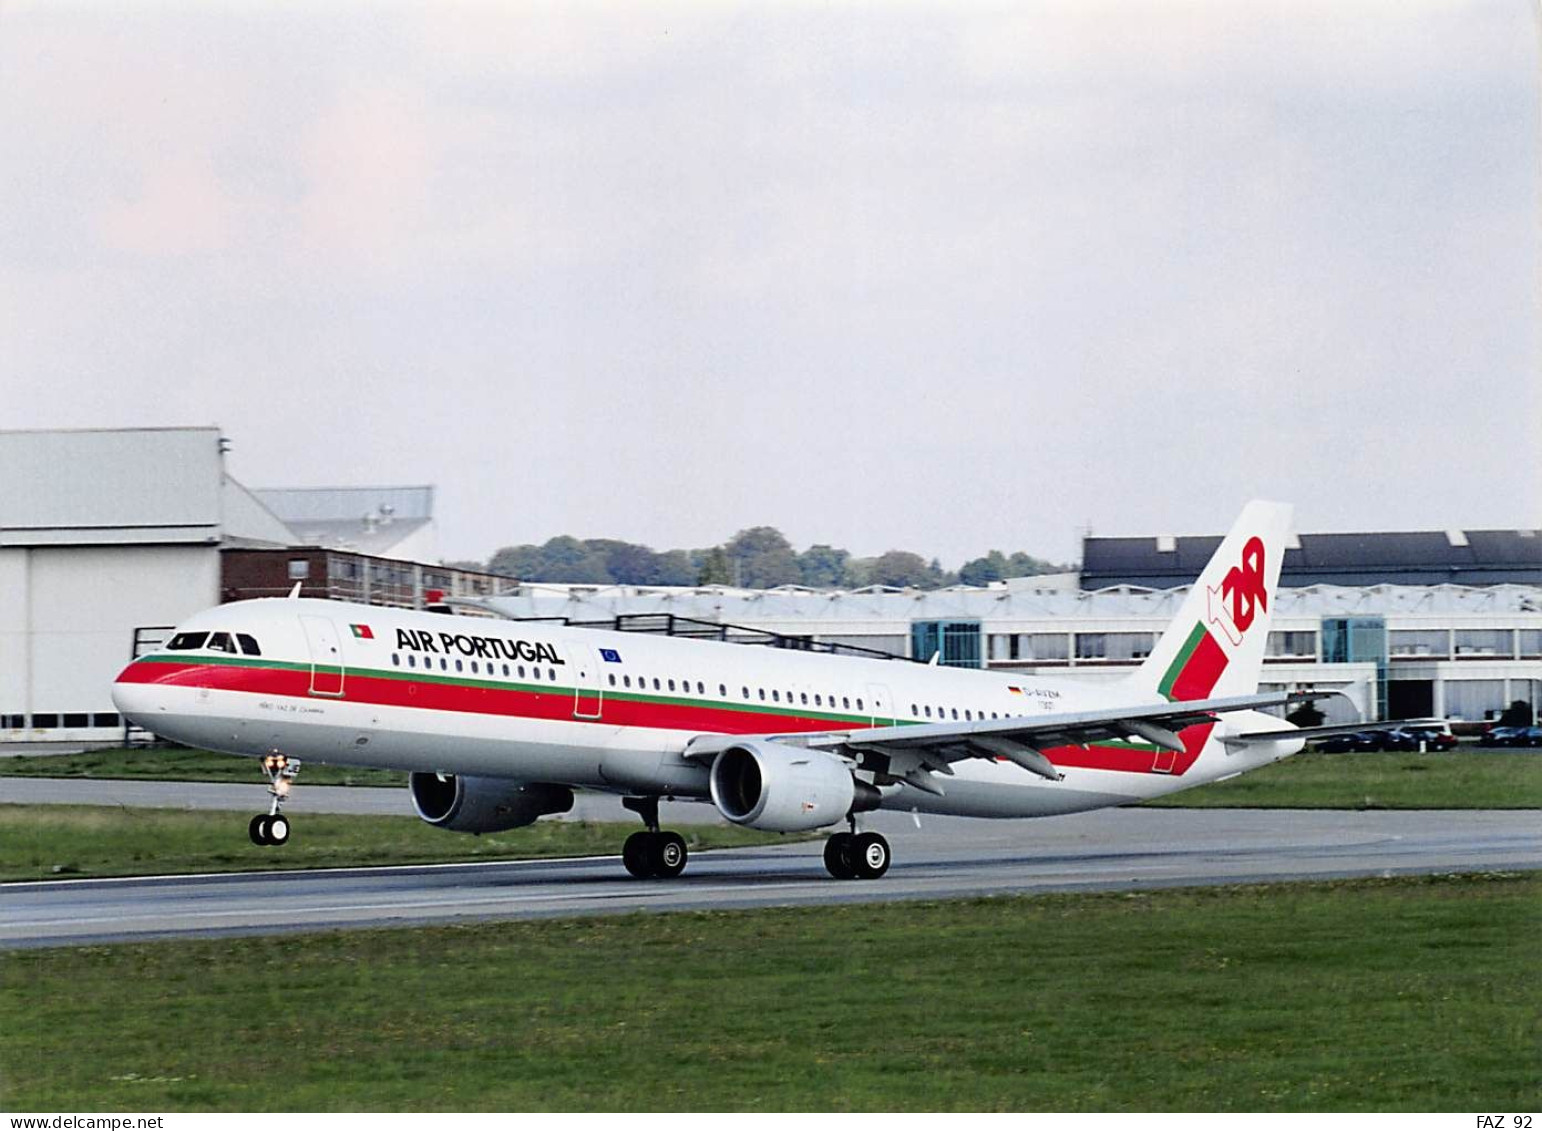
(1214, 647)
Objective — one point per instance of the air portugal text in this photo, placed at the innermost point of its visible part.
(485, 647)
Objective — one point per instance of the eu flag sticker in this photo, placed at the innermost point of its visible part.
(610, 655)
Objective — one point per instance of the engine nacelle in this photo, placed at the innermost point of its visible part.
(769, 785)
(484, 805)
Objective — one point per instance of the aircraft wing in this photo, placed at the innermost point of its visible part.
(913, 753)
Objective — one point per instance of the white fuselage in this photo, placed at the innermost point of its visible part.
(537, 702)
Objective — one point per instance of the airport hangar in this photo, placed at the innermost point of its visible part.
(108, 538)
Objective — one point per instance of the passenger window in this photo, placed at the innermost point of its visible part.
(955, 712)
(700, 688)
(458, 666)
(535, 673)
(818, 702)
(626, 681)
(412, 661)
(656, 685)
(613, 679)
(186, 641)
(803, 698)
(671, 685)
(746, 692)
(248, 644)
(968, 718)
(859, 705)
(928, 712)
(775, 696)
(473, 665)
(396, 661)
(521, 671)
(845, 703)
(722, 691)
(444, 665)
(762, 691)
(551, 674)
(505, 671)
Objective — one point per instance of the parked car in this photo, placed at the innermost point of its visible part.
(1360, 742)
(1431, 737)
(1514, 736)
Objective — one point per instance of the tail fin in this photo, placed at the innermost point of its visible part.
(1215, 645)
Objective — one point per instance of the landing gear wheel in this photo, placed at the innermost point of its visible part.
(637, 855)
(838, 856)
(256, 830)
(667, 854)
(870, 855)
(277, 830)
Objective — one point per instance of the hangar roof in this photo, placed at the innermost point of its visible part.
(369, 520)
(1474, 557)
(125, 486)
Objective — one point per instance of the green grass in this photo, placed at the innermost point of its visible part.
(1467, 780)
(1378, 781)
(1380, 995)
(178, 763)
(68, 841)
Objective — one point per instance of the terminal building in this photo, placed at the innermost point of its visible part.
(108, 538)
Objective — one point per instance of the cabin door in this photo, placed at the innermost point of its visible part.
(326, 655)
(588, 692)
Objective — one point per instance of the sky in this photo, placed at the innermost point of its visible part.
(941, 277)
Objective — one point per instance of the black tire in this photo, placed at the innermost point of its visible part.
(277, 830)
(256, 828)
(870, 856)
(637, 855)
(667, 855)
(839, 861)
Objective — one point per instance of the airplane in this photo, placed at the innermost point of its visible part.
(497, 722)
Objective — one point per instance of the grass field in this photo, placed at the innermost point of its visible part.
(178, 763)
(1379, 781)
(1419, 995)
(1468, 780)
(39, 842)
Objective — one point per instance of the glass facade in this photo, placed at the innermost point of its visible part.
(958, 641)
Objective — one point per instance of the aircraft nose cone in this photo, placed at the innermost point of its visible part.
(135, 701)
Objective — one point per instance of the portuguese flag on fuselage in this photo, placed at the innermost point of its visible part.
(362, 632)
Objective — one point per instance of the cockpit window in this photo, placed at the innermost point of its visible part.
(187, 641)
(221, 642)
(248, 644)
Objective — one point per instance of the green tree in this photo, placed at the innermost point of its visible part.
(715, 568)
(982, 571)
(823, 567)
(903, 569)
(762, 558)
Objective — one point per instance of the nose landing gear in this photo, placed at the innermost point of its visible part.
(272, 828)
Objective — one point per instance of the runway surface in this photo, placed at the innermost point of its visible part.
(1118, 849)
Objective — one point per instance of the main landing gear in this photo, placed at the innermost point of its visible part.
(652, 854)
(856, 856)
(272, 828)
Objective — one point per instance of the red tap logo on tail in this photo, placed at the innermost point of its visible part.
(1241, 595)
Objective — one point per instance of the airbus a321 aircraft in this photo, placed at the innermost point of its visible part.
(498, 722)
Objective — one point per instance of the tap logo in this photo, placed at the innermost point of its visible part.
(1241, 595)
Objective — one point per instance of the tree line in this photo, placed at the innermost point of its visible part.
(757, 558)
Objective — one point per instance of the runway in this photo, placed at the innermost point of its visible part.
(1119, 849)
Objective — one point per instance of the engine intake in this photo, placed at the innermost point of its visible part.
(769, 785)
(484, 805)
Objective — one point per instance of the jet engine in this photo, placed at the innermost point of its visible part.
(770, 785)
(484, 805)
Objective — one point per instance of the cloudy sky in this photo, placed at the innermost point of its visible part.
(939, 276)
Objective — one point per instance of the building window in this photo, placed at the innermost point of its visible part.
(1296, 645)
(1432, 643)
(106, 719)
(45, 721)
(1485, 642)
(299, 569)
